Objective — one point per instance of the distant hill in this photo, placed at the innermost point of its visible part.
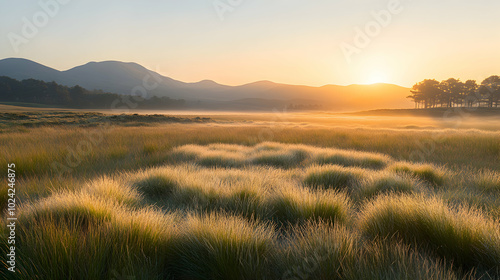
(122, 78)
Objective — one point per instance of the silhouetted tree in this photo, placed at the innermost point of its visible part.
(35, 91)
(490, 90)
(471, 93)
(426, 93)
(452, 92)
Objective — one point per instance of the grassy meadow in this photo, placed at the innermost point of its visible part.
(251, 196)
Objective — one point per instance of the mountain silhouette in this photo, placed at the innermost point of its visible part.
(125, 78)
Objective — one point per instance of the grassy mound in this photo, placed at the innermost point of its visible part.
(279, 155)
(426, 172)
(352, 158)
(156, 186)
(394, 260)
(223, 247)
(302, 205)
(334, 177)
(79, 232)
(276, 155)
(463, 235)
(319, 251)
(76, 209)
(186, 153)
(488, 181)
(221, 159)
(112, 189)
(387, 182)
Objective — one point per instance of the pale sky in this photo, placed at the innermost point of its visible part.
(285, 41)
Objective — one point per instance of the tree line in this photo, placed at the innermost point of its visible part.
(51, 93)
(455, 93)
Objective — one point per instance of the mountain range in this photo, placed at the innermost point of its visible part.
(125, 78)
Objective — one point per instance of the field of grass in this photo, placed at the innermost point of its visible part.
(225, 196)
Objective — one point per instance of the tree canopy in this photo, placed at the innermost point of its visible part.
(455, 93)
(51, 93)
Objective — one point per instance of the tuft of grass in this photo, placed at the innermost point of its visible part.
(386, 259)
(221, 159)
(144, 248)
(487, 181)
(186, 153)
(299, 205)
(156, 186)
(426, 172)
(463, 235)
(387, 182)
(247, 201)
(334, 177)
(80, 209)
(352, 158)
(106, 187)
(228, 148)
(275, 159)
(219, 246)
(281, 157)
(319, 250)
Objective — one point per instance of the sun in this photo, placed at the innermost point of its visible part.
(376, 77)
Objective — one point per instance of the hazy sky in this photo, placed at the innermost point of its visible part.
(242, 41)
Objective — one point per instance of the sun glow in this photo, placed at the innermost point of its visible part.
(376, 77)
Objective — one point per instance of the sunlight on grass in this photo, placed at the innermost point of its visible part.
(426, 172)
(256, 211)
(461, 234)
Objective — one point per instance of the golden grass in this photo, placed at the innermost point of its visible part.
(334, 177)
(488, 181)
(388, 182)
(275, 154)
(463, 235)
(426, 172)
(223, 247)
(211, 201)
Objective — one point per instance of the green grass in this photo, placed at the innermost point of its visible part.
(156, 186)
(388, 182)
(301, 205)
(223, 247)
(334, 177)
(425, 172)
(206, 200)
(488, 181)
(92, 252)
(320, 251)
(353, 158)
(462, 235)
